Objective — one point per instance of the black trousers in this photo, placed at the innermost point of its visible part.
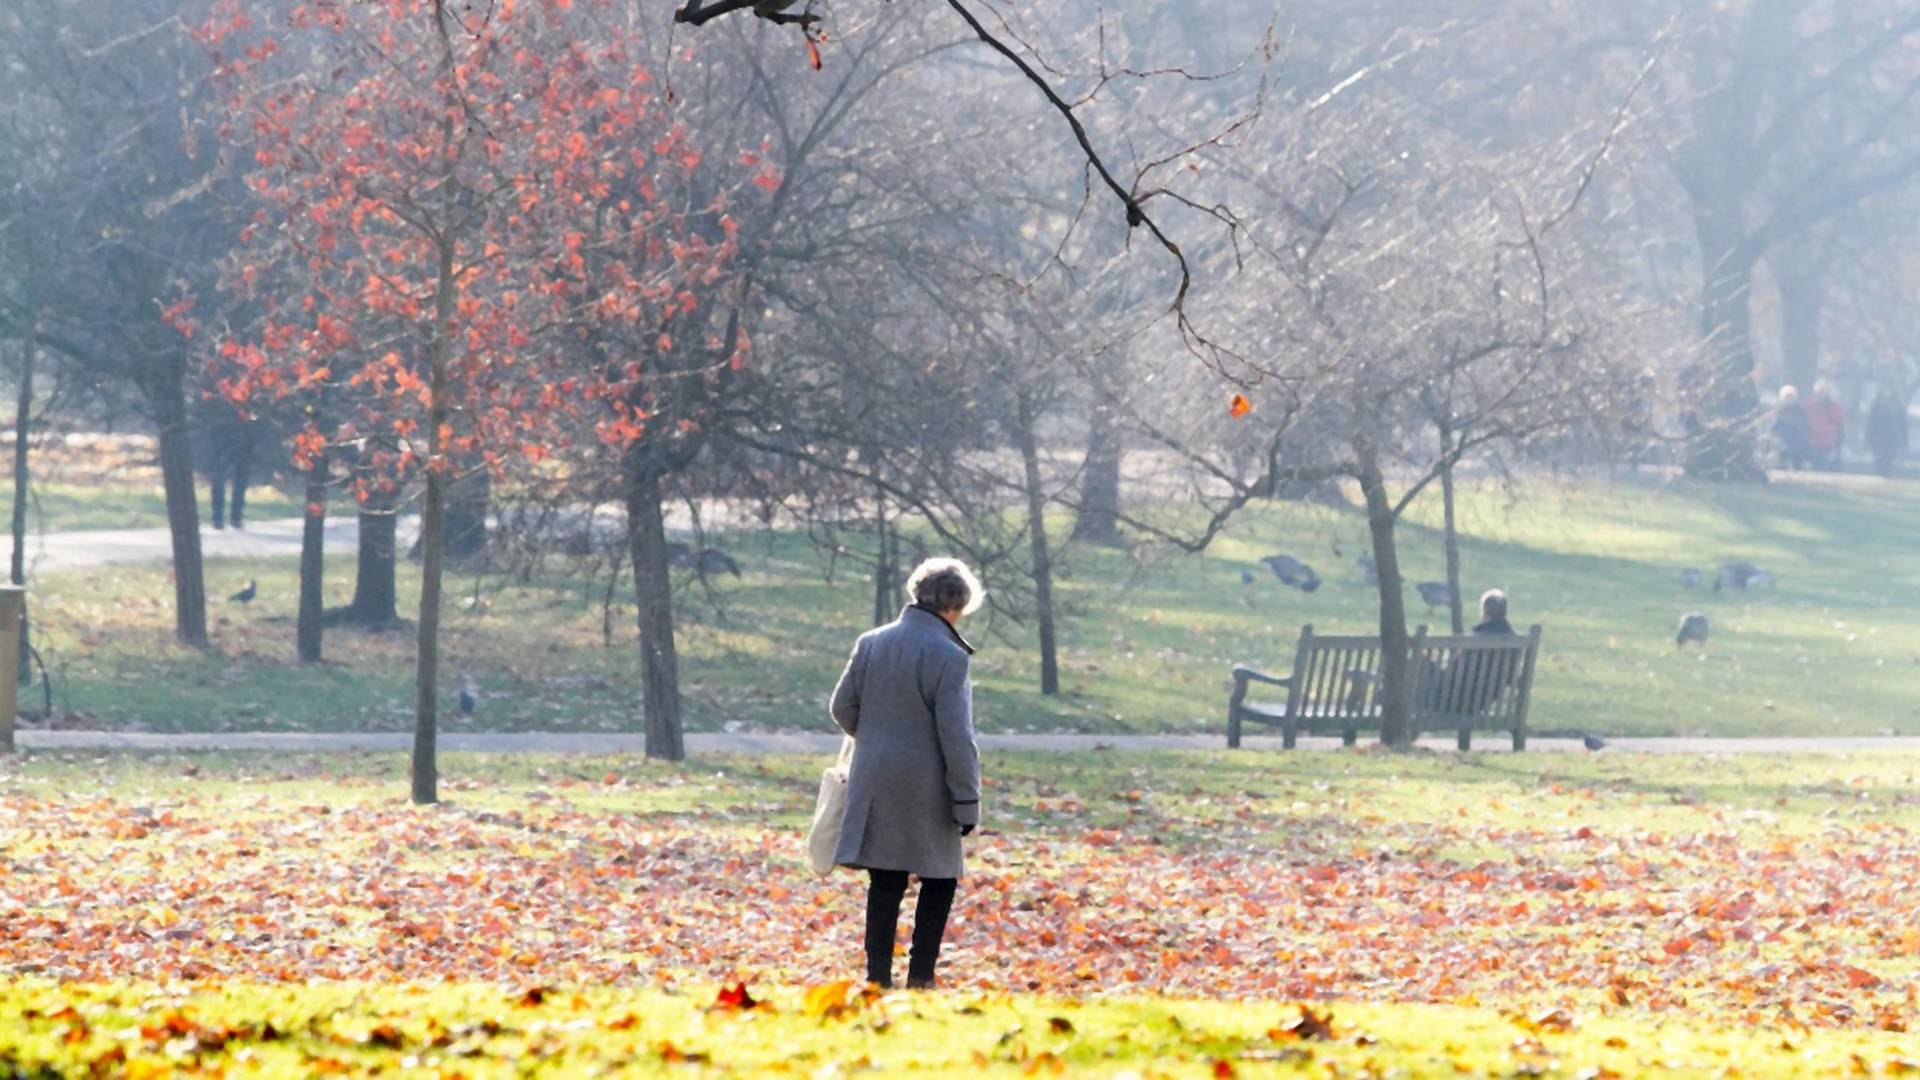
(237, 477)
(884, 894)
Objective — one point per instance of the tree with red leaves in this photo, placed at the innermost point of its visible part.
(463, 206)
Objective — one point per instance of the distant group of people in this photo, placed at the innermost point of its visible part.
(1813, 429)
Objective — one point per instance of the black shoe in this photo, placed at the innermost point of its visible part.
(921, 982)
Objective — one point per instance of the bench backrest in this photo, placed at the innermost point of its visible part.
(1483, 681)
(1333, 674)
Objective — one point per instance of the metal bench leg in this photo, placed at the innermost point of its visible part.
(1349, 737)
(1287, 735)
(1465, 741)
(1233, 728)
(1519, 739)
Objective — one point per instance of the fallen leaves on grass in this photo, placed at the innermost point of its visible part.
(209, 881)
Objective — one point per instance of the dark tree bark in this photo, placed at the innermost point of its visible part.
(1450, 540)
(433, 537)
(426, 679)
(1042, 560)
(375, 601)
(1722, 396)
(653, 595)
(1098, 519)
(22, 416)
(886, 566)
(1393, 696)
(309, 626)
(1802, 285)
(167, 396)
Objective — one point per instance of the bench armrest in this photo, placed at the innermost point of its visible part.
(1244, 674)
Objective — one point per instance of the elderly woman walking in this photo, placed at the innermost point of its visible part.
(914, 788)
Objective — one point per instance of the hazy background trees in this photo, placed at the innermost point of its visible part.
(1415, 237)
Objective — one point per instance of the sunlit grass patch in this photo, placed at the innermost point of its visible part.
(141, 1029)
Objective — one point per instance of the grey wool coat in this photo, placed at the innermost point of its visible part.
(906, 699)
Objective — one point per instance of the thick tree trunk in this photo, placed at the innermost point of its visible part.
(1450, 538)
(169, 402)
(313, 533)
(1802, 294)
(1720, 398)
(1098, 519)
(22, 416)
(1042, 560)
(1393, 694)
(375, 599)
(653, 595)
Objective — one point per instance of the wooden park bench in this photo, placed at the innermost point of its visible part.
(1457, 683)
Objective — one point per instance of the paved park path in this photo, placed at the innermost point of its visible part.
(54, 551)
(823, 744)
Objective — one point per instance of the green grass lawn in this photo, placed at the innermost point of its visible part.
(1147, 636)
(1155, 915)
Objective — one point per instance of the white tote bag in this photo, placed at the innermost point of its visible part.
(829, 811)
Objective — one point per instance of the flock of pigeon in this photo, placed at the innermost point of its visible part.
(1694, 627)
(1738, 576)
(1296, 574)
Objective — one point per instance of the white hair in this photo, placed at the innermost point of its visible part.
(939, 583)
(1493, 604)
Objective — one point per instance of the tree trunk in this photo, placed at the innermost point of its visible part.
(1098, 519)
(433, 538)
(1719, 398)
(653, 595)
(426, 679)
(375, 599)
(1802, 293)
(313, 534)
(169, 402)
(22, 416)
(1042, 561)
(1393, 696)
(1450, 539)
(886, 566)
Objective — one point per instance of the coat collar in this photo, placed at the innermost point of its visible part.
(929, 613)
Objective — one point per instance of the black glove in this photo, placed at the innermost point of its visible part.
(966, 830)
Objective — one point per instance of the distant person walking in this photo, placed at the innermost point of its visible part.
(1887, 429)
(1791, 427)
(914, 789)
(1826, 426)
(228, 444)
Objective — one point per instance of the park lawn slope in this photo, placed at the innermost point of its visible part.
(478, 1030)
(1147, 636)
